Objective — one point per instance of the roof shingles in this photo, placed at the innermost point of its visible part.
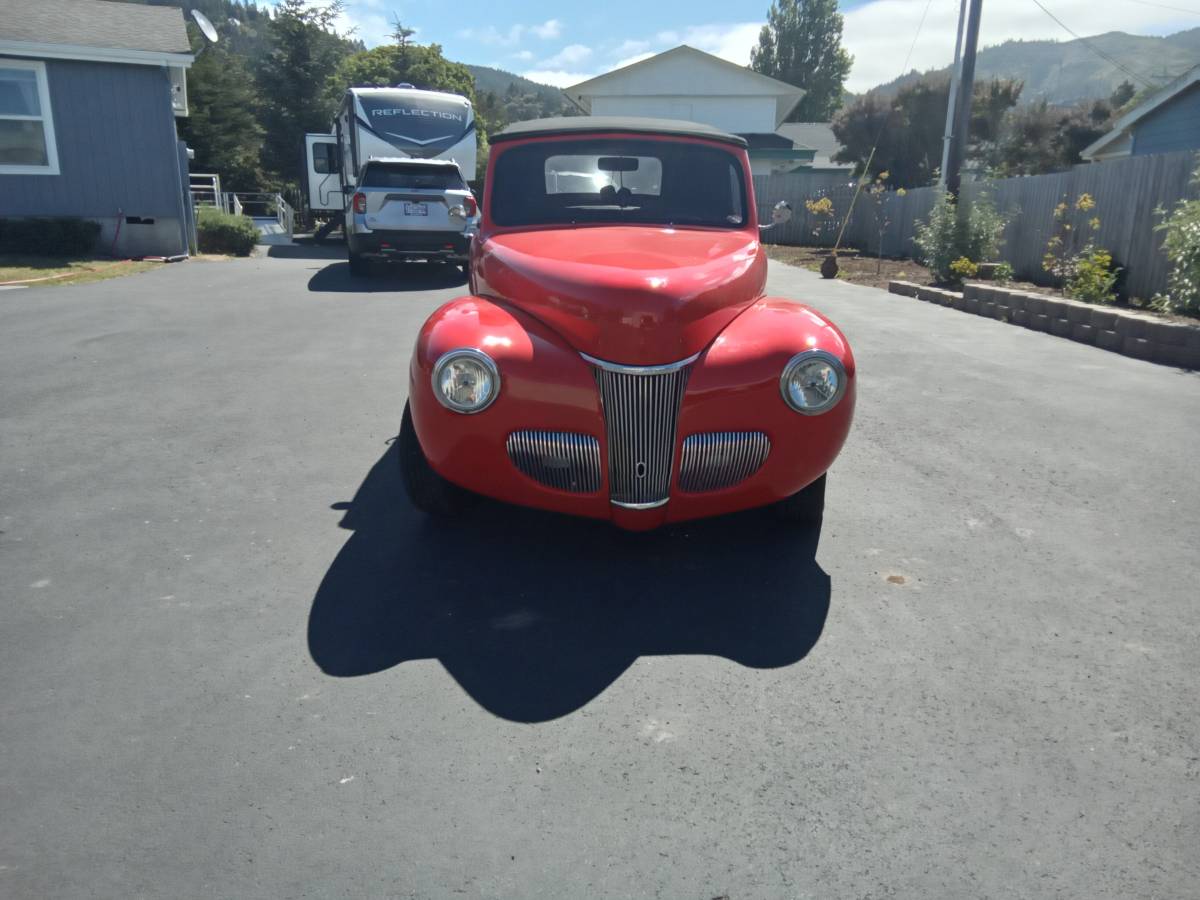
(95, 23)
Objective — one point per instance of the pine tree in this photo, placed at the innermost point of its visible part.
(801, 44)
(221, 126)
(305, 51)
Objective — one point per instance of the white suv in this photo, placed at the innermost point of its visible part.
(410, 209)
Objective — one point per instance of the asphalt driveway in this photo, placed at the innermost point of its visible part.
(235, 663)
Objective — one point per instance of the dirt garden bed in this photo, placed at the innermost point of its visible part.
(879, 273)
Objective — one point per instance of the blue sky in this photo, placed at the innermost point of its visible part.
(561, 44)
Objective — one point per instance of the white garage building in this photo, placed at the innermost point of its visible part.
(686, 83)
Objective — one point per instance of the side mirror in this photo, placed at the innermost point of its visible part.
(780, 214)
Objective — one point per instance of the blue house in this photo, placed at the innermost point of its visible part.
(1165, 122)
(89, 92)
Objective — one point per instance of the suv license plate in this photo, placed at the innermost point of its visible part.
(415, 209)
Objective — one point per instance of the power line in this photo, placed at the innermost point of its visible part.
(1190, 12)
(1094, 48)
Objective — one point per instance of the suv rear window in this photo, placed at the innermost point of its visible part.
(634, 181)
(400, 175)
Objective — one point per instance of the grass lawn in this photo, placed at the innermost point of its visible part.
(57, 270)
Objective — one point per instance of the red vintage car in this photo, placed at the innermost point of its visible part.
(616, 356)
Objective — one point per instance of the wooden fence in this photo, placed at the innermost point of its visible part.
(1126, 192)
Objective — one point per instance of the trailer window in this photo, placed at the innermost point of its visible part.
(324, 158)
(410, 177)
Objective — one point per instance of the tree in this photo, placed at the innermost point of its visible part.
(1041, 138)
(909, 128)
(802, 45)
(423, 67)
(305, 49)
(405, 63)
(1122, 94)
(221, 126)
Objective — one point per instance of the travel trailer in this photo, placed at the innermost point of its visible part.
(386, 123)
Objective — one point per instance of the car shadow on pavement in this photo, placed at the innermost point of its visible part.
(392, 277)
(536, 614)
(307, 249)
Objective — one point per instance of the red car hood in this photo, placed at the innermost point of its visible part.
(626, 294)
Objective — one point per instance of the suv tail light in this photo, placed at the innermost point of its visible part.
(360, 203)
(471, 205)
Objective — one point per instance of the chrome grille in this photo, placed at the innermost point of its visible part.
(557, 459)
(641, 408)
(720, 459)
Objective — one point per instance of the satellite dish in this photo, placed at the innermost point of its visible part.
(205, 26)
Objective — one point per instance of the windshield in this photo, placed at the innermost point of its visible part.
(633, 181)
(401, 175)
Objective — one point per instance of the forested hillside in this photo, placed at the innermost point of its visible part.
(1066, 72)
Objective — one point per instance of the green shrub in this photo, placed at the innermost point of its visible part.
(1182, 246)
(48, 237)
(220, 232)
(1002, 273)
(947, 236)
(1092, 276)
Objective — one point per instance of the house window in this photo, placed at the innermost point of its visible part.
(26, 127)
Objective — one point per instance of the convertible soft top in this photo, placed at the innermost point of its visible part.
(565, 125)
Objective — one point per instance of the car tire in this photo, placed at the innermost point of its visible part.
(805, 507)
(428, 491)
(359, 267)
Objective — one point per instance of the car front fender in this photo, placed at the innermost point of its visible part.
(544, 383)
(735, 386)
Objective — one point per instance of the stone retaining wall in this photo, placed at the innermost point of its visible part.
(1132, 333)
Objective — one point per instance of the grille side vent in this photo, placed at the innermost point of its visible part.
(641, 411)
(721, 459)
(557, 459)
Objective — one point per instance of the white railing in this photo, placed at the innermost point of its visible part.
(206, 191)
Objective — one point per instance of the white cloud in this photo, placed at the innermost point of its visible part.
(630, 60)
(571, 55)
(371, 28)
(878, 33)
(631, 48)
(731, 42)
(548, 30)
(558, 77)
(495, 37)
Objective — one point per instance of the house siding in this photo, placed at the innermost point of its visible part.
(115, 133)
(1173, 126)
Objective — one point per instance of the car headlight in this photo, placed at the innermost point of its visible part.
(466, 381)
(813, 382)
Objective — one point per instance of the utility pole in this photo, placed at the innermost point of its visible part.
(962, 106)
(955, 75)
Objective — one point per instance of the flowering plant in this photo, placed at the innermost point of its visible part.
(1088, 273)
(1182, 246)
